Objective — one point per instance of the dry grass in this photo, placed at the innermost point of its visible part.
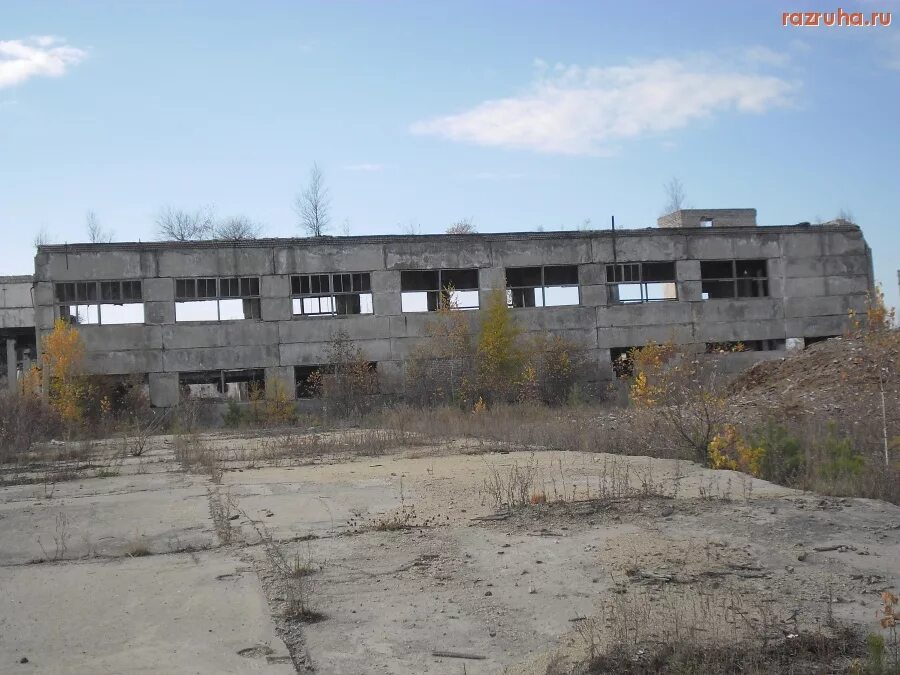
(711, 630)
(530, 482)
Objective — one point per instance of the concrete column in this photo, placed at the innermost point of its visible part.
(11, 364)
(164, 391)
(386, 292)
(284, 375)
(489, 280)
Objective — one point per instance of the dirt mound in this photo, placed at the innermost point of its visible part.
(839, 374)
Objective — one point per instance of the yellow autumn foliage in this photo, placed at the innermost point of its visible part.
(62, 354)
(729, 450)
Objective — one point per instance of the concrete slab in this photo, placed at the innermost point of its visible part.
(104, 517)
(176, 613)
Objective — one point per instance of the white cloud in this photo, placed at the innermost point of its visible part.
(44, 55)
(574, 110)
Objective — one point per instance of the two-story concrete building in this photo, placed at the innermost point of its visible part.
(216, 313)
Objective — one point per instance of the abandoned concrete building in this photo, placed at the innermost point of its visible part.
(213, 315)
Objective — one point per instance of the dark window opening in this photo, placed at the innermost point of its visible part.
(332, 294)
(548, 286)
(425, 290)
(237, 385)
(309, 379)
(737, 346)
(818, 338)
(622, 361)
(733, 279)
(641, 282)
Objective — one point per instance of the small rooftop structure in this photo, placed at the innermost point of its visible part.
(709, 218)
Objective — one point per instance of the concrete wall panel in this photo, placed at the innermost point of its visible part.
(644, 314)
(749, 309)
(123, 362)
(466, 253)
(315, 353)
(99, 265)
(638, 336)
(630, 248)
(804, 287)
(226, 334)
(817, 326)
(329, 257)
(531, 252)
(112, 338)
(215, 358)
(847, 285)
(312, 329)
(710, 247)
(737, 331)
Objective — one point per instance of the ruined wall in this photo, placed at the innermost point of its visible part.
(815, 275)
(16, 308)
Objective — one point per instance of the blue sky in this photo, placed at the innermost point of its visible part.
(518, 115)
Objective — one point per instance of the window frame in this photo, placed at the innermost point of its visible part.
(435, 295)
(734, 278)
(93, 294)
(635, 273)
(219, 289)
(510, 289)
(309, 286)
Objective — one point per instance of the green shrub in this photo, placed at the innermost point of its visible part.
(784, 459)
(235, 416)
(841, 460)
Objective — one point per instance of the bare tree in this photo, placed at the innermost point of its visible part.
(314, 204)
(462, 226)
(96, 233)
(412, 227)
(674, 195)
(846, 215)
(41, 238)
(236, 228)
(178, 225)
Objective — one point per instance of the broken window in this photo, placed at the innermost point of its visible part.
(237, 385)
(744, 346)
(622, 361)
(734, 279)
(425, 290)
(641, 282)
(214, 299)
(100, 302)
(332, 294)
(309, 379)
(548, 286)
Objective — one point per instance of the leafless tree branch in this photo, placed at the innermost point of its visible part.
(236, 228)
(179, 225)
(675, 196)
(314, 205)
(41, 238)
(96, 233)
(462, 226)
